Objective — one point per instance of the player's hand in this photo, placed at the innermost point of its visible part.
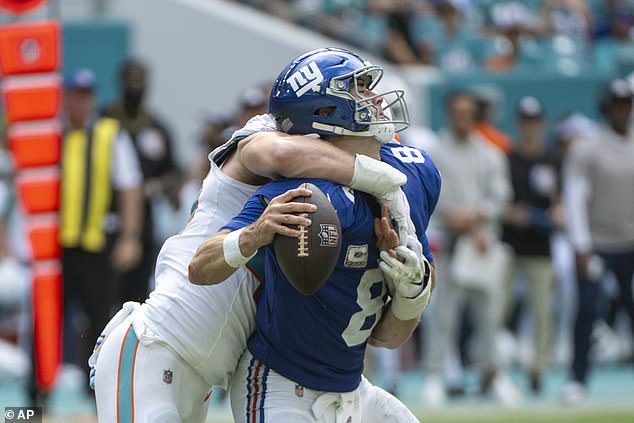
(386, 236)
(398, 206)
(410, 271)
(589, 265)
(279, 213)
(410, 280)
(481, 240)
(464, 221)
(517, 215)
(126, 253)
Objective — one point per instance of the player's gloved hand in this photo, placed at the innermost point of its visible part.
(410, 280)
(92, 363)
(383, 182)
(398, 207)
(375, 177)
(92, 378)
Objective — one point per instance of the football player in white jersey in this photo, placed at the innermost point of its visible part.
(157, 362)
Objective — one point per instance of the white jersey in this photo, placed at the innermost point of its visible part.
(208, 326)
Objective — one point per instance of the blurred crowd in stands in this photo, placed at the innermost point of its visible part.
(565, 36)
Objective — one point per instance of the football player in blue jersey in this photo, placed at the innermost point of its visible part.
(305, 360)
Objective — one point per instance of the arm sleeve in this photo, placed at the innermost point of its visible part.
(576, 190)
(125, 170)
(499, 191)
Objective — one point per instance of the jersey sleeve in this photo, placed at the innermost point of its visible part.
(434, 183)
(251, 211)
(426, 248)
(254, 207)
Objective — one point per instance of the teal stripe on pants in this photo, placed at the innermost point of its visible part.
(126, 369)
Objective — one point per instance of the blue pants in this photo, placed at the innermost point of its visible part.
(622, 266)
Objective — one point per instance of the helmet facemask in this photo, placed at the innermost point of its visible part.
(382, 118)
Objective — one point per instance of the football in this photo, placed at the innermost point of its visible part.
(308, 261)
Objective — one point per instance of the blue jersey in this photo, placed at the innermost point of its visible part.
(318, 341)
(422, 188)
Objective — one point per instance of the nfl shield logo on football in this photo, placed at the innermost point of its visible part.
(299, 391)
(167, 376)
(328, 235)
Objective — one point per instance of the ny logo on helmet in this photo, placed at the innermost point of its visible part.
(306, 78)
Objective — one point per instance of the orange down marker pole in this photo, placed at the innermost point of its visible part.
(31, 92)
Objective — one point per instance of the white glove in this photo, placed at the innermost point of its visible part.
(383, 182)
(375, 177)
(410, 281)
(398, 206)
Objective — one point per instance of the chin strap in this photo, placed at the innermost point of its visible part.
(381, 136)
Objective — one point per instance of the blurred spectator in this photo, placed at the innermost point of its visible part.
(485, 127)
(617, 49)
(254, 101)
(400, 46)
(211, 137)
(14, 362)
(568, 130)
(99, 170)
(598, 175)
(475, 193)
(447, 42)
(528, 223)
(419, 137)
(152, 143)
(514, 45)
(6, 199)
(570, 18)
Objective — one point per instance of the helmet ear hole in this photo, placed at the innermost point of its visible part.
(325, 111)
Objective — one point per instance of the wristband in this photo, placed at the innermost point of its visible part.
(405, 308)
(411, 308)
(231, 250)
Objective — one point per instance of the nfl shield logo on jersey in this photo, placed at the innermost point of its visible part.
(328, 235)
(167, 376)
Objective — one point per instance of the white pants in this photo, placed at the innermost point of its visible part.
(443, 320)
(146, 382)
(259, 394)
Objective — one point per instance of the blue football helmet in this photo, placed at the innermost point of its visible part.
(334, 79)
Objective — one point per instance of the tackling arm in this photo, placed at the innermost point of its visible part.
(275, 154)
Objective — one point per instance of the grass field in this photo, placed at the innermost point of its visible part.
(611, 400)
(580, 415)
(461, 415)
